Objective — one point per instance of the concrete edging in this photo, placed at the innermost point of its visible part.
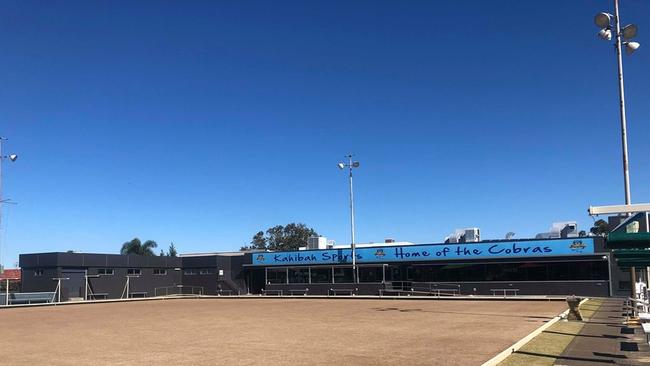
(515, 347)
(346, 297)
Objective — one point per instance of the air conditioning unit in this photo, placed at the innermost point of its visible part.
(472, 235)
(467, 235)
(317, 242)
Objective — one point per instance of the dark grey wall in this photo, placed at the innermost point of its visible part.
(232, 279)
(56, 264)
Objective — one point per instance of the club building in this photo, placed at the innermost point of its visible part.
(565, 266)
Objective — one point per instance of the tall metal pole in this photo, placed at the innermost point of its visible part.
(1, 204)
(621, 92)
(352, 244)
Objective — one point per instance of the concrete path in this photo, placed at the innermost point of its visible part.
(606, 340)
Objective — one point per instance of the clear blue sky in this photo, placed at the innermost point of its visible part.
(203, 122)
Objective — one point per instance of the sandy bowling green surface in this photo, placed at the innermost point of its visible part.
(269, 332)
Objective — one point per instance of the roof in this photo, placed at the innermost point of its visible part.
(222, 254)
(11, 274)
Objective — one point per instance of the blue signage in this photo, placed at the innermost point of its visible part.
(430, 252)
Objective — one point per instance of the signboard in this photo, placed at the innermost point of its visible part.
(430, 252)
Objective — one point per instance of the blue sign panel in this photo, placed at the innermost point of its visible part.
(431, 252)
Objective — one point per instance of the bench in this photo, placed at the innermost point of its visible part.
(138, 294)
(336, 290)
(445, 291)
(505, 291)
(299, 291)
(221, 291)
(30, 297)
(390, 288)
(646, 330)
(267, 292)
(99, 296)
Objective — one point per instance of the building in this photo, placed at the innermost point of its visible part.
(580, 266)
(99, 276)
(13, 275)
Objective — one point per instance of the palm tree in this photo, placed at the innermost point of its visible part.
(136, 247)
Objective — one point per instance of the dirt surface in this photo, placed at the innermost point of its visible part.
(268, 332)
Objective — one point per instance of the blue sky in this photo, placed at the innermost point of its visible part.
(203, 122)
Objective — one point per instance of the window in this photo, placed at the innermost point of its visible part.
(160, 271)
(205, 271)
(321, 275)
(105, 271)
(134, 272)
(274, 275)
(298, 275)
(342, 274)
(371, 274)
(38, 272)
(189, 272)
(558, 271)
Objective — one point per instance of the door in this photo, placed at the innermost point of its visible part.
(74, 285)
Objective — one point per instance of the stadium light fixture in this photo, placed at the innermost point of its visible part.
(630, 31)
(630, 47)
(605, 34)
(603, 19)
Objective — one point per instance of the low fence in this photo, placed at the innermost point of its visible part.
(15, 298)
(178, 290)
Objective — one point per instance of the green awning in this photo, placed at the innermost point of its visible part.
(628, 240)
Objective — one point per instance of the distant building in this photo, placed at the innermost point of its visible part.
(14, 276)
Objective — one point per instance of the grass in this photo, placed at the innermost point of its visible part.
(545, 349)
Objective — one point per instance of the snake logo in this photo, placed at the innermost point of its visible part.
(577, 246)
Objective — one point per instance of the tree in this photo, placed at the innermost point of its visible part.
(162, 253)
(600, 228)
(279, 238)
(172, 250)
(136, 247)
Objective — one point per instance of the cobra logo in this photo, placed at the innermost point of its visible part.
(577, 245)
(260, 257)
(379, 253)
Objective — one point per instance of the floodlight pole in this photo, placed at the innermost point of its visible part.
(621, 92)
(352, 244)
(2, 158)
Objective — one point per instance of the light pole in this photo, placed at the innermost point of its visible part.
(608, 23)
(11, 157)
(623, 36)
(351, 165)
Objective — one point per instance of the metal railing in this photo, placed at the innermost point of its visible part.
(178, 290)
(420, 288)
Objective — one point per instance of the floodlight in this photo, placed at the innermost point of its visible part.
(630, 31)
(603, 20)
(341, 165)
(355, 164)
(605, 34)
(630, 47)
(13, 157)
